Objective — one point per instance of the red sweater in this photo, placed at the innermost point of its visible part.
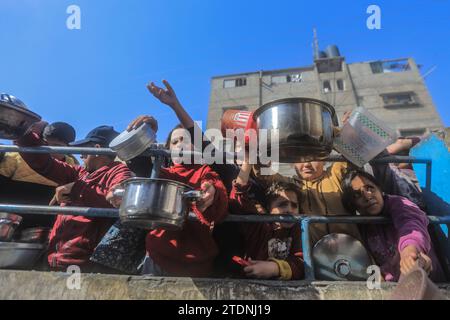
(73, 238)
(263, 241)
(190, 251)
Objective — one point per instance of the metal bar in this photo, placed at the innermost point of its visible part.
(114, 213)
(428, 176)
(157, 164)
(167, 153)
(306, 248)
(74, 211)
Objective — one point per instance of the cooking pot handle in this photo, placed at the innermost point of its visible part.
(192, 195)
(119, 192)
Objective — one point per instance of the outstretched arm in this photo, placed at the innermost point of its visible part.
(168, 97)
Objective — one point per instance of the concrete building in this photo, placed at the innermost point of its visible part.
(393, 90)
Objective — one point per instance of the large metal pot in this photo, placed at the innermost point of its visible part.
(341, 257)
(15, 255)
(8, 225)
(15, 119)
(130, 144)
(305, 128)
(155, 203)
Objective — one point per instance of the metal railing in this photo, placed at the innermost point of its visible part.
(303, 220)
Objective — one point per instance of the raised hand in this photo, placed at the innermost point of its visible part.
(166, 96)
(136, 123)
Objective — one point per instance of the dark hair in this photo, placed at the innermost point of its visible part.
(273, 191)
(61, 131)
(347, 190)
(178, 126)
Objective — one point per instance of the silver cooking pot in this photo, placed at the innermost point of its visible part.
(155, 203)
(305, 128)
(130, 144)
(15, 118)
(341, 257)
(14, 255)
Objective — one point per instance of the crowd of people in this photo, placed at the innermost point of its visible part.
(205, 247)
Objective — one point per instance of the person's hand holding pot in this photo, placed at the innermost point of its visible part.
(115, 200)
(136, 123)
(207, 199)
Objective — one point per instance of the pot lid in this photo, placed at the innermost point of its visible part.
(128, 137)
(168, 181)
(339, 256)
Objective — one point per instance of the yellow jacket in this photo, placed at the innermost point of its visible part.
(323, 197)
(14, 167)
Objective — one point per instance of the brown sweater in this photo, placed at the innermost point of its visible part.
(323, 197)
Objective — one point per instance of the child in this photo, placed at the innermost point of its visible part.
(273, 249)
(395, 247)
(190, 251)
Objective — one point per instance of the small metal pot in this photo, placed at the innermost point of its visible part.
(34, 235)
(340, 257)
(8, 225)
(15, 118)
(130, 144)
(305, 128)
(20, 255)
(155, 203)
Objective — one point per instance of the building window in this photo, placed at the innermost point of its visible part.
(231, 83)
(412, 132)
(326, 86)
(340, 85)
(399, 99)
(390, 66)
(285, 78)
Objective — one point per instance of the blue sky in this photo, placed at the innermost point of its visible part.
(97, 75)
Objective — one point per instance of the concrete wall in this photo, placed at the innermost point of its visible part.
(370, 86)
(53, 286)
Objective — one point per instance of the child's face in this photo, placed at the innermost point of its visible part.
(309, 170)
(180, 140)
(285, 203)
(367, 197)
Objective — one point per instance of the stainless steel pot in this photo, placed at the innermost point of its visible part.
(8, 225)
(15, 255)
(340, 257)
(34, 235)
(15, 119)
(305, 128)
(130, 144)
(155, 203)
